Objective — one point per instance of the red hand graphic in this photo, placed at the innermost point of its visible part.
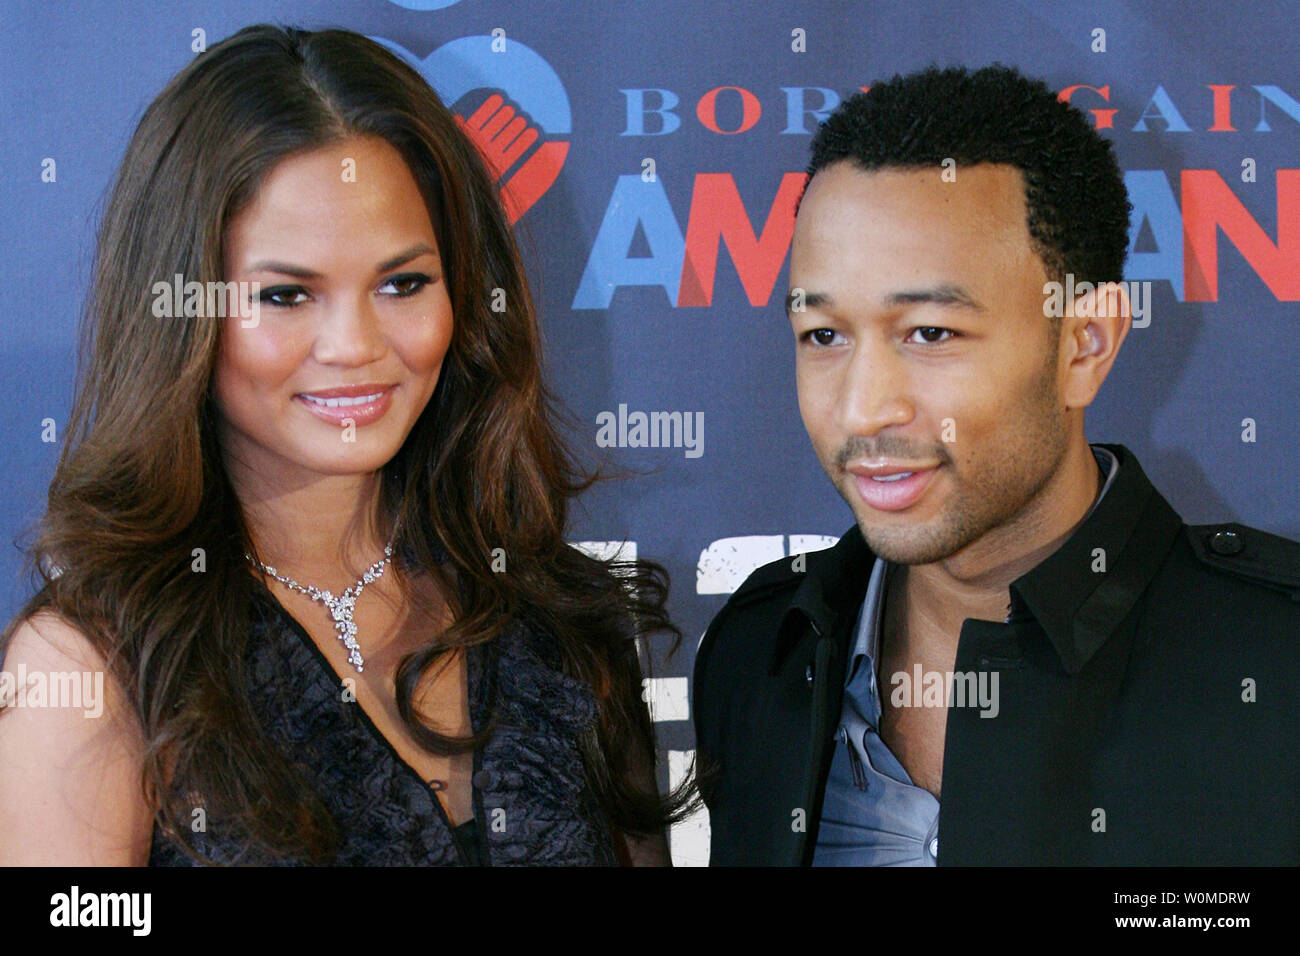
(502, 136)
(496, 131)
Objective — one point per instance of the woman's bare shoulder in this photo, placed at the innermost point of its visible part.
(70, 753)
(50, 637)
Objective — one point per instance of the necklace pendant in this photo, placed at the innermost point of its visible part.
(340, 607)
(347, 634)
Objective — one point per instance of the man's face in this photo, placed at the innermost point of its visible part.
(922, 352)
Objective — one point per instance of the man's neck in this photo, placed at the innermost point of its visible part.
(934, 599)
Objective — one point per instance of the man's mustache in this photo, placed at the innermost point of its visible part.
(888, 447)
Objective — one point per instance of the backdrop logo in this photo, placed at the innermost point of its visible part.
(425, 4)
(518, 110)
(1180, 218)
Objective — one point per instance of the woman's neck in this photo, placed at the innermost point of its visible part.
(324, 531)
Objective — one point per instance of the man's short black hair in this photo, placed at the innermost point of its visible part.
(1078, 209)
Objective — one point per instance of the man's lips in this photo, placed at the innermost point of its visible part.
(891, 487)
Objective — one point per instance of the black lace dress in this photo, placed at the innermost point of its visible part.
(531, 802)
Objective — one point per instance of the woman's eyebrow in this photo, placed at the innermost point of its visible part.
(419, 249)
(285, 268)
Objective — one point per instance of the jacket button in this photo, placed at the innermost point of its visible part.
(808, 674)
(1226, 543)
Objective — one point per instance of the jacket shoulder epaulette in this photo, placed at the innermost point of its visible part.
(1249, 553)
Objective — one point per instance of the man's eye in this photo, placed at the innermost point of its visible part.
(931, 334)
(277, 296)
(407, 284)
(820, 336)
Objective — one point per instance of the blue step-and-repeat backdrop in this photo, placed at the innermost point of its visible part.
(655, 209)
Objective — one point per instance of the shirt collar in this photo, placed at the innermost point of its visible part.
(1079, 594)
(1109, 465)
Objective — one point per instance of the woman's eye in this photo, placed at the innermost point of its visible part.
(407, 284)
(931, 334)
(820, 336)
(282, 296)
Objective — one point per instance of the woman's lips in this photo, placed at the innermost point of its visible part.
(362, 414)
(894, 495)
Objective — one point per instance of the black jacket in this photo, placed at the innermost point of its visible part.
(1126, 691)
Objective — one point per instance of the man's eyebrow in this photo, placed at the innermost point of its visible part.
(809, 300)
(285, 268)
(943, 294)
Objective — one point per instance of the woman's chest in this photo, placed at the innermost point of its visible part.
(439, 700)
(526, 786)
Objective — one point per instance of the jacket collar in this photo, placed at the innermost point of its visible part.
(830, 593)
(1079, 594)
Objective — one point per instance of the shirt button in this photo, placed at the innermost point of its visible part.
(1226, 543)
(808, 674)
(934, 847)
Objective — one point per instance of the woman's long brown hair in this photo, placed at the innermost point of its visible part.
(140, 483)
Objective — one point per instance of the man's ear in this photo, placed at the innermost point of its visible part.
(1093, 336)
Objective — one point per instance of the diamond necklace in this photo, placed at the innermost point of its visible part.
(340, 607)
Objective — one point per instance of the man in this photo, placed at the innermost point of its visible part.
(1019, 654)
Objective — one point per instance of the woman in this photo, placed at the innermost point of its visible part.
(316, 540)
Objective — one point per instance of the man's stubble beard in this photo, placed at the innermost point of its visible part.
(994, 493)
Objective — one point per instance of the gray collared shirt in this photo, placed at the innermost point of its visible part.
(872, 813)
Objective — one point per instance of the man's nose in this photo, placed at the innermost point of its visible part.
(875, 393)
